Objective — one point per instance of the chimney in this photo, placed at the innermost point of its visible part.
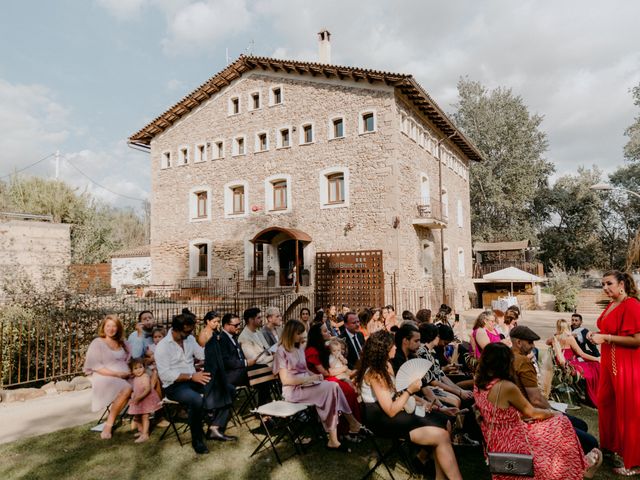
(324, 46)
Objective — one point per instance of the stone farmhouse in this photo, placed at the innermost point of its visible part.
(352, 178)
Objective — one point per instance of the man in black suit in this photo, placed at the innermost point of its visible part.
(354, 338)
(218, 393)
(235, 363)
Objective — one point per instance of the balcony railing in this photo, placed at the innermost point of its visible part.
(481, 269)
(431, 213)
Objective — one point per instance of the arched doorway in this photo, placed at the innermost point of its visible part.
(289, 244)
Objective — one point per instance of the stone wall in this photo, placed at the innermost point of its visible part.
(126, 271)
(37, 248)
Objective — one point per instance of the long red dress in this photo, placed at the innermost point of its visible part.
(619, 389)
(557, 454)
(589, 370)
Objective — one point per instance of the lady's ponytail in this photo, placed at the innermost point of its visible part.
(630, 285)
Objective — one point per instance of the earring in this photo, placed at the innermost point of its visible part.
(621, 292)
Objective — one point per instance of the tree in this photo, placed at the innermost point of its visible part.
(571, 237)
(632, 148)
(505, 188)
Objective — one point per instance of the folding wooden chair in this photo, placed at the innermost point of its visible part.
(397, 448)
(105, 414)
(170, 409)
(247, 395)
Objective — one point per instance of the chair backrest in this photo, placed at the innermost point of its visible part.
(260, 375)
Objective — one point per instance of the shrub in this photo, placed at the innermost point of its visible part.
(566, 287)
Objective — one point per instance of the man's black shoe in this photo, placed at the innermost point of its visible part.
(200, 448)
(215, 434)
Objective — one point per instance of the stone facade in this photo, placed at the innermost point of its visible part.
(42, 250)
(383, 174)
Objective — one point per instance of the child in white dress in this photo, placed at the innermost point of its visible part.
(337, 361)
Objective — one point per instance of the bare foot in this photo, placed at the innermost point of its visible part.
(106, 432)
(142, 438)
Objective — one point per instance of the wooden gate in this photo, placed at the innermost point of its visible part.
(355, 279)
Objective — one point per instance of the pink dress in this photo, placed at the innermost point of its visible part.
(493, 338)
(326, 396)
(590, 371)
(148, 404)
(105, 388)
(557, 454)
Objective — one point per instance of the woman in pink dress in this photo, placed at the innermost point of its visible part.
(300, 385)
(106, 362)
(484, 332)
(619, 389)
(549, 437)
(567, 350)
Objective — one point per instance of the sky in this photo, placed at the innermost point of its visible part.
(81, 76)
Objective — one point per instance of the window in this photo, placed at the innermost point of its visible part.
(259, 259)
(337, 128)
(183, 155)
(306, 135)
(262, 142)
(239, 146)
(200, 204)
(277, 189)
(279, 195)
(460, 214)
(447, 259)
(427, 258)
(461, 262)
(234, 105)
(218, 149)
(334, 187)
(275, 96)
(165, 161)
(199, 258)
(255, 100)
(445, 203)
(238, 199)
(368, 122)
(201, 199)
(201, 152)
(284, 139)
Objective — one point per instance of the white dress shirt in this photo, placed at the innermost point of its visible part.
(172, 360)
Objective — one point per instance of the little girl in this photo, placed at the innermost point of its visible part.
(337, 363)
(150, 361)
(144, 399)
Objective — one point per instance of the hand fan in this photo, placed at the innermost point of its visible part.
(410, 371)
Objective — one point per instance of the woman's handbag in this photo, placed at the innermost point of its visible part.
(503, 463)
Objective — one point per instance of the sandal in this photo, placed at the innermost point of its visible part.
(342, 448)
(594, 460)
(626, 472)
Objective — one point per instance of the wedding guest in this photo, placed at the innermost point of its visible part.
(353, 338)
(305, 317)
(140, 338)
(273, 327)
(211, 322)
(484, 332)
(582, 333)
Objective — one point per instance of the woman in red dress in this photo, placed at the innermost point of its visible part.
(619, 390)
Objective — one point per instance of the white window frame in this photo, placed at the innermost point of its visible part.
(230, 108)
(279, 136)
(460, 212)
(165, 159)
(313, 133)
(194, 260)
(324, 187)
(236, 147)
(268, 193)
(251, 108)
(446, 253)
(193, 204)
(461, 267)
(214, 149)
(425, 189)
(330, 134)
(197, 158)
(257, 148)
(184, 153)
(228, 199)
(445, 203)
(272, 95)
(361, 123)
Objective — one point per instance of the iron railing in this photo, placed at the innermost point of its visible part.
(432, 208)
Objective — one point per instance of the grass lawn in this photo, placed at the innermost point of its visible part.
(77, 453)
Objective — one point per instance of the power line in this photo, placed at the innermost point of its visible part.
(102, 186)
(28, 166)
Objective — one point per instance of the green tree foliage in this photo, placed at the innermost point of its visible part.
(571, 237)
(632, 148)
(565, 287)
(97, 229)
(505, 188)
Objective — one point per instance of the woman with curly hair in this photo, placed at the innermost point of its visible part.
(384, 409)
(551, 440)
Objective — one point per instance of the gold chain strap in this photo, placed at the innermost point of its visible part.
(614, 369)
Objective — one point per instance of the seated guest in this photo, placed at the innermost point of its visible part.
(484, 332)
(423, 316)
(354, 338)
(407, 316)
(175, 355)
(305, 317)
(235, 363)
(526, 378)
(300, 385)
(211, 322)
(364, 316)
(580, 332)
(334, 324)
(384, 410)
(452, 369)
(141, 337)
(106, 362)
(390, 318)
(254, 346)
(376, 322)
(551, 440)
(273, 327)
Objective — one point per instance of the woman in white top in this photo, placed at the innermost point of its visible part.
(383, 409)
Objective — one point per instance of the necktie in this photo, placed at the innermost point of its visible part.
(357, 343)
(239, 350)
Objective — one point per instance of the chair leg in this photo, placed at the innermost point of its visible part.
(172, 425)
